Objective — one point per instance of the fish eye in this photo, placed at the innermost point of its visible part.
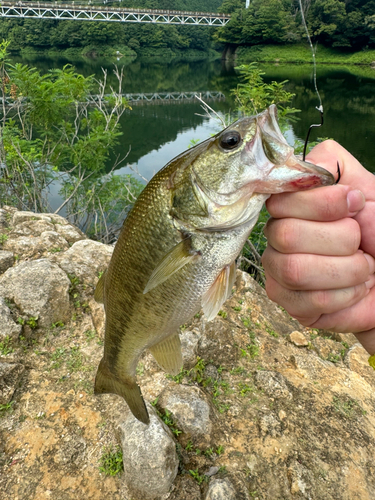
(230, 140)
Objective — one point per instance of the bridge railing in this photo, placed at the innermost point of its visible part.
(99, 6)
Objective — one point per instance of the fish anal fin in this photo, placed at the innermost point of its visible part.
(220, 290)
(106, 382)
(99, 290)
(173, 261)
(168, 354)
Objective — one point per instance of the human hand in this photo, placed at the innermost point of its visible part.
(319, 262)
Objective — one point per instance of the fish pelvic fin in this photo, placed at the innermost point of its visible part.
(99, 290)
(220, 290)
(106, 382)
(173, 261)
(168, 354)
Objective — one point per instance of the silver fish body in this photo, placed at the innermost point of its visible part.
(177, 249)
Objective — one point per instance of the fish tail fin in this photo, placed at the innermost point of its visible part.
(106, 382)
(168, 354)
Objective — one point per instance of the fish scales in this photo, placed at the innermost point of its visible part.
(177, 248)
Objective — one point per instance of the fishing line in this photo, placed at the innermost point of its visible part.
(320, 108)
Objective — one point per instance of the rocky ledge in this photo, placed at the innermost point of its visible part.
(263, 409)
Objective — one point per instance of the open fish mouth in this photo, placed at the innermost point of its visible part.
(278, 168)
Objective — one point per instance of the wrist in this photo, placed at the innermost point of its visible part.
(367, 339)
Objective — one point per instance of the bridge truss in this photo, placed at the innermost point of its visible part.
(90, 12)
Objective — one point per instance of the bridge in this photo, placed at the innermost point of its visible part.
(92, 12)
(146, 97)
(172, 97)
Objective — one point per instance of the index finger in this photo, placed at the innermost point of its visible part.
(324, 204)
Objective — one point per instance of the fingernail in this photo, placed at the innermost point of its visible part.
(356, 200)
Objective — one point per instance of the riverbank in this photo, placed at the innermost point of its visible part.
(301, 54)
(122, 52)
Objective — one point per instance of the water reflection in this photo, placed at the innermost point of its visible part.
(152, 135)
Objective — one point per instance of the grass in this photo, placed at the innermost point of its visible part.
(3, 238)
(199, 478)
(6, 346)
(348, 408)
(111, 462)
(6, 408)
(301, 54)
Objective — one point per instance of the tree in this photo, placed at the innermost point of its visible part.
(53, 129)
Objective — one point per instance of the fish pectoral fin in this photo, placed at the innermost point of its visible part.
(106, 382)
(168, 354)
(173, 261)
(99, 290)
(215, 297)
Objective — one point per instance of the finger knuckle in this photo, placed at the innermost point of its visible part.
(292, 271)
(354, 235)
(334, 204)
(321, 300)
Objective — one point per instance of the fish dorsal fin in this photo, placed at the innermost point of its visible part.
(168, 354)
(173, 261)
(99, 290)
(215, 297)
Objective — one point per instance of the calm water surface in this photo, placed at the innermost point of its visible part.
(154, 133)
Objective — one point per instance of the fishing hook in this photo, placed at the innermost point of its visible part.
(338, 173)
(320, 109)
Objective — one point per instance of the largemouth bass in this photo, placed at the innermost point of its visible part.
(177, 249)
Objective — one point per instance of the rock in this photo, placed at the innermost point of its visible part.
(149, 455)
(212, 372)
(31, 228)
(273, 384)
(51, 240)
(185, 488)
(39, 289)
(23, 245)
(19, 217)
(85, 259)
(328, 349)
(36, 247)
(189, 344)
(4, 219)
(70, 233)
(357, 360)
(10, 375)
(270, 425)
(298, 339)
(220, 489)
(297, 475)
(190, 412)
(8, 328)
(97, 316)
(212, 471)
(6, 260)
(348, 338)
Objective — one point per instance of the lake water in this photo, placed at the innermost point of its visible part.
(154, 133)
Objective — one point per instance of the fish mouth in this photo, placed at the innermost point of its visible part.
(295, 175)
(279, 169)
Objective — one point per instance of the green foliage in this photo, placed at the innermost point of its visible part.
(6, 408)
(347, 407)
(93, 37)
(253, 95)
(223, 314)
(111, 462)
(54, 130)
(333, 23)
(199, 478)
(6, 346)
